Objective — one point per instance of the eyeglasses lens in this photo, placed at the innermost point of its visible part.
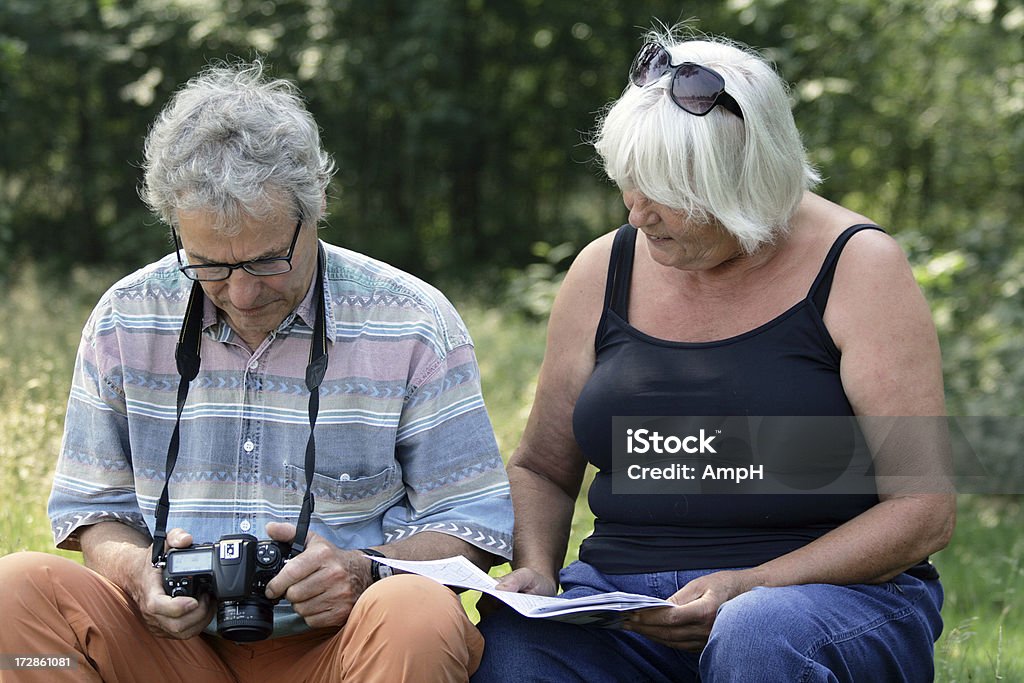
(270, 267)
(696, 89)
(650, 64)
(216, 273)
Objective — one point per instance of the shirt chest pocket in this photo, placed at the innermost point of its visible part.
(346, 499)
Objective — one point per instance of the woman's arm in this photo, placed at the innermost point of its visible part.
(891, 372)
(546, 470)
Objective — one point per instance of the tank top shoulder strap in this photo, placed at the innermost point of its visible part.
(620, 272)
(822, 285)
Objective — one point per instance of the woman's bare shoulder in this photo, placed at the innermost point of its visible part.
(585, 280)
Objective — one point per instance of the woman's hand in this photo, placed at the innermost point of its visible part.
(526, 580)
(688, 626)
(522, 580)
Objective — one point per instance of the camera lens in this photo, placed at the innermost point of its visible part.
(245, 621)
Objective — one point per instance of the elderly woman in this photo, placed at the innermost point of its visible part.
(733, 290)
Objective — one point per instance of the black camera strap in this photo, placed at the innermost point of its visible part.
(187, 359)
(315, 371)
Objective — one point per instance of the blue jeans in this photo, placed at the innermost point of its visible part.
(816, 632)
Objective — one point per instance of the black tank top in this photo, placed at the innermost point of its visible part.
(788, 366)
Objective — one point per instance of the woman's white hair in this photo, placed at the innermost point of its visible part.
(749, 175)
(237, 144)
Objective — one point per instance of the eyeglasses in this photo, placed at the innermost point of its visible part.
(213, 272)
(695, 89)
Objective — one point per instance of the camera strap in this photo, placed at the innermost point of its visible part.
(315, 371)
(187, 359)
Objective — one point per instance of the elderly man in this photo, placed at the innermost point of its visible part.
(268, 393)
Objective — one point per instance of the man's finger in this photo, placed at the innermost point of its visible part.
(173, 608)
(281, 531)
(178, 538)
(187, 625)
(294, 571)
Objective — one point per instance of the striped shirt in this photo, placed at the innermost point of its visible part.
(404, 443)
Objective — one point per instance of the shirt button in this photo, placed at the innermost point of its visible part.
(249, 446)
(344, 477)
(253, 365)
(245, 525)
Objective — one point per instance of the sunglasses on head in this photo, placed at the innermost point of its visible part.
(695, 89)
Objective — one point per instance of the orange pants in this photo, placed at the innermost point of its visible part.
(401, 629)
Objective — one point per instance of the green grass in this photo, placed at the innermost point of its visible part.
(39, 332)
(983, 568)
(983, 573)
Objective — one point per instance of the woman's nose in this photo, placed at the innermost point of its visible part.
(641, 210)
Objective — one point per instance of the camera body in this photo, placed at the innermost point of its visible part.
(235, 572)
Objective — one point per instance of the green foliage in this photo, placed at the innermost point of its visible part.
(533, 288)
(509, 349)
(983, 575)
(37, 351)
(460, 128)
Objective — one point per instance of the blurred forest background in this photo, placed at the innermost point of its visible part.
(459, 128)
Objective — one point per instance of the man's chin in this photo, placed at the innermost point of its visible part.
(252, 326)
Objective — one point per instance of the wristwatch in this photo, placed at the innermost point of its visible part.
(378, 571)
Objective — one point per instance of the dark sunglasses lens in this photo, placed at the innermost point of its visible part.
(649, 65)
(696, 89)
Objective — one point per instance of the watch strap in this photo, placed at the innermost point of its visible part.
(378, 571)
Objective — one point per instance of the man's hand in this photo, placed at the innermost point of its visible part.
(164, 616)
(323, 582)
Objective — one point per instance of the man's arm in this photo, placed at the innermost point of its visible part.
(122, 555)
(430, 545)
(455, 498)
(324, 581)
(118, 552)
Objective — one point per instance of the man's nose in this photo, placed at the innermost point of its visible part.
(243, 288)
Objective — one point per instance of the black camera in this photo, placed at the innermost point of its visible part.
(235, 571)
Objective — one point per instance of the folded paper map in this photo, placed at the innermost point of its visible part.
(604, 609)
